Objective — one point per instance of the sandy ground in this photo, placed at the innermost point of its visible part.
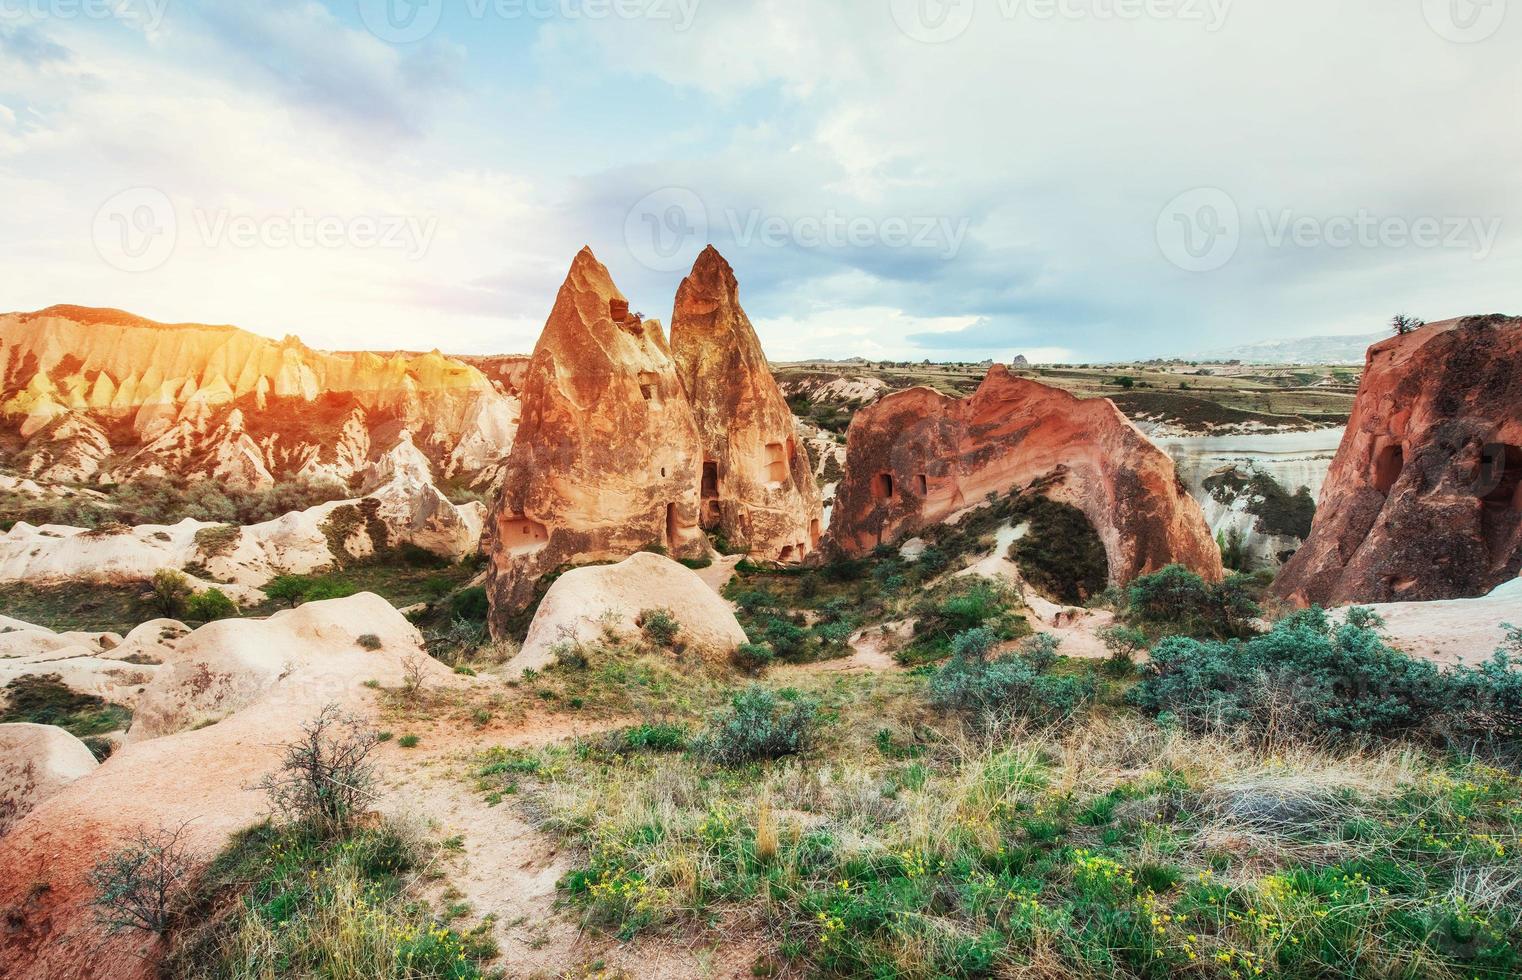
(507, 868)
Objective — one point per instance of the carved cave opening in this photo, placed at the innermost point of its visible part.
(1501, 473)
(882, 486)
(710, 487)
(521, 534)
(776, 463)
(1388, 463)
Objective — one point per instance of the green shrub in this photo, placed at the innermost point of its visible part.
(470, 604)
(654, 738)
(416, 556)
(974, 644)
(1061, 554)
(758, 725)
(369, 641)
(787, 640)
(659, 626)
(1311, 677)
(43, 699)
(218, 540)
(169, 592)
(210, 605)
(753, 657)
(1178, 600)
(408, 741)
(1006, 687)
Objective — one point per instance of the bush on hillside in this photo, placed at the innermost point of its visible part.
(1012, 686)
(1061, 555)
(758, 725)
(209, 606)
(1177, 600)
(1310, 676)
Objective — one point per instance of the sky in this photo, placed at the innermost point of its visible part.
(1079, 180)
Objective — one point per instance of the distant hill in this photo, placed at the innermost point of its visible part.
(1346, 349)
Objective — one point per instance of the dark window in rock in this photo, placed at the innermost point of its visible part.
(787, 553)
(1501, 476)
(1387, 466)
(671, 528)
(710, 479)
(924, 482)
(882, 486)
(814, 532)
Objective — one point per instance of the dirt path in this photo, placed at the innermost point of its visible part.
(503, 866)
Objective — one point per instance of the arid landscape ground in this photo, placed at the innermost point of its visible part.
(641, 656)
(721, 489)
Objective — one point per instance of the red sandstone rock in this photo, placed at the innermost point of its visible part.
(917, 457)
(1424, 499)
(607, 457)
(757, 486)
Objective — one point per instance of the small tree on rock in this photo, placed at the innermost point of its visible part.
(326, 777)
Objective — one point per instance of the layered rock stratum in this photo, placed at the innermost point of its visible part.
(607, 457)
(92, 395)
(918, 457)
(1424, 498)
(758, 488)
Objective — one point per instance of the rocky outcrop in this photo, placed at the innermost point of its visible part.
(203, 777)
(607, 458)
(82, 386)
(585, 603)
(757, 486)
(1256, 487)
(1424, 499)
(917, 457)
(403, 506)
(36, 761)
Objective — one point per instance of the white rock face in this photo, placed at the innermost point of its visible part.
(1293, 459)
(36, 761)
(407, 503)
(224, 667)
(585, 601)
(103, 665)
(1451, 631)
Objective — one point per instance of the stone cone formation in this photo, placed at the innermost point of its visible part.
(758, 489)
(88, 394)
(918, 456)
(607, 457)
(1424, 499)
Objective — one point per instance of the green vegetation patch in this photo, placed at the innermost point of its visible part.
(43, 699)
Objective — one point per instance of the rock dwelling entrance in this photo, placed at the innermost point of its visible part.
(1501, 476)
(776, 463)
(882, 486)
(671, 528)
(710, 479)
(1388, 464)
